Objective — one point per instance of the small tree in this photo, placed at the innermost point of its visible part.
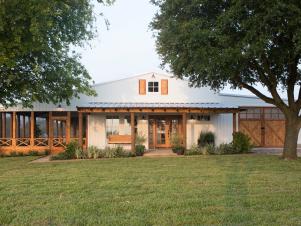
(241, 43)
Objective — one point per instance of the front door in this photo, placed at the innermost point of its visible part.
(161, 131)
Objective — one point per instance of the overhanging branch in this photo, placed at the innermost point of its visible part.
(258, 93)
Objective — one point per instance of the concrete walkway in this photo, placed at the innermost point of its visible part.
(271, 151)
(160, 153)
(42, 159)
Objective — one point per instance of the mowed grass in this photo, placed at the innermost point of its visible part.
(202, 190)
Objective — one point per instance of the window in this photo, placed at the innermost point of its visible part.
(273, 114)
(153, 87)
(112, 125)
(203, 117)
(250, 113)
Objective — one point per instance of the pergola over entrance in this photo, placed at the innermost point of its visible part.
(156, 108)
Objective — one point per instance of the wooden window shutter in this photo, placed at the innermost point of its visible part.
(142, 86)
(164, 87)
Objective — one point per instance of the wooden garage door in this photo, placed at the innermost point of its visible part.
(252, 129)
(265, 126)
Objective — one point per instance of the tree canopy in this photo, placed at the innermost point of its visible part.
(36, 58)
(236, 42)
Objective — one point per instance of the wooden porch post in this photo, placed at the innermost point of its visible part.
(14, 143)
(68, 125)
(133, 135)
(80, 129)
(184, 124)
(234, 123)
(32, 128)
(50, 130)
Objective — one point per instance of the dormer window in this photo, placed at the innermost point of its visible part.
(153, 87)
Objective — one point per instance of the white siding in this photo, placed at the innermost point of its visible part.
(142, 129)
(223, 124)
(97, 130)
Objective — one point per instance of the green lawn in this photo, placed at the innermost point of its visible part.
(210, 190)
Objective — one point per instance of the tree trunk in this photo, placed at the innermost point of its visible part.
(291, 138)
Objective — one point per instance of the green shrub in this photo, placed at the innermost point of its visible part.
(176, 144)
(241, 143)
(224, 149)
(115, 152)
(120, 152)
(34, 153)
(208, 149)
(47, 152)
(139, 150)
(194, 150)
(71, 149)
(60, 156)
(206, 138)
(69, 152)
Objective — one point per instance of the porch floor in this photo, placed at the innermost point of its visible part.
(159, 152)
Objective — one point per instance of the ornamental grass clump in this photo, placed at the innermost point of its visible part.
(176, 144)
(139, 145)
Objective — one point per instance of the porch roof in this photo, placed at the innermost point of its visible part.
(156, 107)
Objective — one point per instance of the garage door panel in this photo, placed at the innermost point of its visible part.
(274, 133)
(252, 129)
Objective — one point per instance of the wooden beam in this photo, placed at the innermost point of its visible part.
(184, 123)
(234, 123)
(32, 128)
(68, 125)
(50, 130)
(80, 129)
(133, 135)
(13, 132)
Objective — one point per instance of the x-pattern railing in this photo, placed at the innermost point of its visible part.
(59, 142)
(5, 141)
(41, 142)
(23, 141)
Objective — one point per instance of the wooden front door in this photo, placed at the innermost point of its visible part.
(161, 130)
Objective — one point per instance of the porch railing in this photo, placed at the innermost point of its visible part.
(5, 142)
(59, 142)
(22, 142)
(39, 142)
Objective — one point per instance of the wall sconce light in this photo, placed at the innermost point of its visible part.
(59, 108)
(143, 117)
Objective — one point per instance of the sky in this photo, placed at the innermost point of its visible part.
(127, 48)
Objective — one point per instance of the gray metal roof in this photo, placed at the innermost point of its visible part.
(157, 105)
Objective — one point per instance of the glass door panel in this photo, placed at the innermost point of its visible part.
(161, 132)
